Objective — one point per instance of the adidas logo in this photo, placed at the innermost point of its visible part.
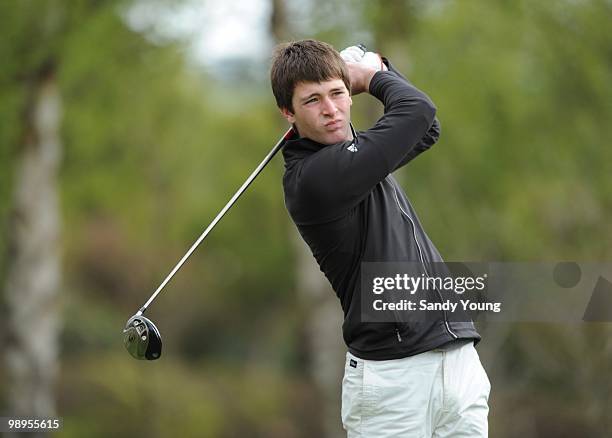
(352, 148)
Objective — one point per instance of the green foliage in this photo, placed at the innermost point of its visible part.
(142, 399)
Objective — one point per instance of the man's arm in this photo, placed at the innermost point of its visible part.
(428, 140)
(337, 177)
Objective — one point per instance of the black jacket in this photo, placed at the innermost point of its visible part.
(349, 209)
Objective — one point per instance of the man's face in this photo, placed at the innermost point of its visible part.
(322, 111)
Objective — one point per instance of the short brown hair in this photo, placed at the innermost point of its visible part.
(304, 61)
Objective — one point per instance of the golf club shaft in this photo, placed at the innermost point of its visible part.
(231, 202)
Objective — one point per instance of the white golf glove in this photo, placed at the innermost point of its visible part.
(373, 60)
(356, 54)
(352, 54)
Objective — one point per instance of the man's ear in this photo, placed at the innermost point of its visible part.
(288, 115)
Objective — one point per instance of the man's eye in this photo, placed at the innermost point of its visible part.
(310, 101)
(338, 93)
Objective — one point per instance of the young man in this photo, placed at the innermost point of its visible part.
(419, 379)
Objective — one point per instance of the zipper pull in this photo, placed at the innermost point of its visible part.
(399, 337)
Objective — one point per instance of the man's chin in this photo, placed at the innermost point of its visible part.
(336, 136)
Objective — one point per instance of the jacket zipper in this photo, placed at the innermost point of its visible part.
(447, 325)
(397, 332)
(355, 142)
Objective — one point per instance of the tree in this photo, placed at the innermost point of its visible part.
(33, 267)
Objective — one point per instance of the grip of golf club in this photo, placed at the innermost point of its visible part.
(288, 134)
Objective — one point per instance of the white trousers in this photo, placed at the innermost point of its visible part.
(433, 394)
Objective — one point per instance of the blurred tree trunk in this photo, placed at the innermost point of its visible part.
(278, 20)
(324, 348)
(33, 276)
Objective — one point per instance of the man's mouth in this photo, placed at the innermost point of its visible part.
(333, 124)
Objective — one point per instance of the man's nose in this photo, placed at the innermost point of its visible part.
(329, 108)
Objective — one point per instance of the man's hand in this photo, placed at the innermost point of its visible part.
(361, 65)
(374, 60)
(360, 76)
(352, 54)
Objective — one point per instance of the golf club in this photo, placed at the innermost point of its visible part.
(140, 336)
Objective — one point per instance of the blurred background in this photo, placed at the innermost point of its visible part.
(126, 125)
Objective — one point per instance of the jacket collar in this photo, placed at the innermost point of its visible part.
(297, 148)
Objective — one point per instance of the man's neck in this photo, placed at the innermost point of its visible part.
(351, 135)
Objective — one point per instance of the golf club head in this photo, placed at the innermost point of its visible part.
(142, 339)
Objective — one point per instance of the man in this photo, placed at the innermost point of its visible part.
(402, 379)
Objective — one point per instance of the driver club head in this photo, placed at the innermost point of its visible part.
(142, 339)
